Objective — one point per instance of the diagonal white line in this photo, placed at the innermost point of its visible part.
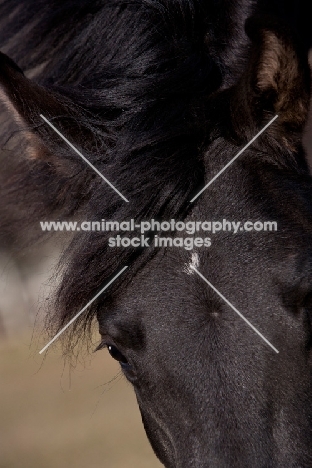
(82, 310)
(235, 310)
(235, 157)
(83, 157)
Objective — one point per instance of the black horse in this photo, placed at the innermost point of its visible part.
(159, 95)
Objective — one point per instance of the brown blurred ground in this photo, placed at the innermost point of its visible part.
(49, 420)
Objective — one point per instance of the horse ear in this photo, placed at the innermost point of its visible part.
(277, 78)
(51, 176)
(26, 101)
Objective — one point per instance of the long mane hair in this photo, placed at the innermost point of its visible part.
(132, 85)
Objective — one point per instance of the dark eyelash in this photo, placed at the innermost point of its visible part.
(102, 345)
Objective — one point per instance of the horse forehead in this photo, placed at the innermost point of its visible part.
(164, 284)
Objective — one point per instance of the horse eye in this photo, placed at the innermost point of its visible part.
(116, 354)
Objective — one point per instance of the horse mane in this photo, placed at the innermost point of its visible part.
(136, 79)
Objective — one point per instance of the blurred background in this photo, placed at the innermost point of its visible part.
(54, 413)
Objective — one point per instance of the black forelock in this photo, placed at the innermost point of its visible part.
(136, 77)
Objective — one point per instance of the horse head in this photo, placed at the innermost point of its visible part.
(213, 334)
